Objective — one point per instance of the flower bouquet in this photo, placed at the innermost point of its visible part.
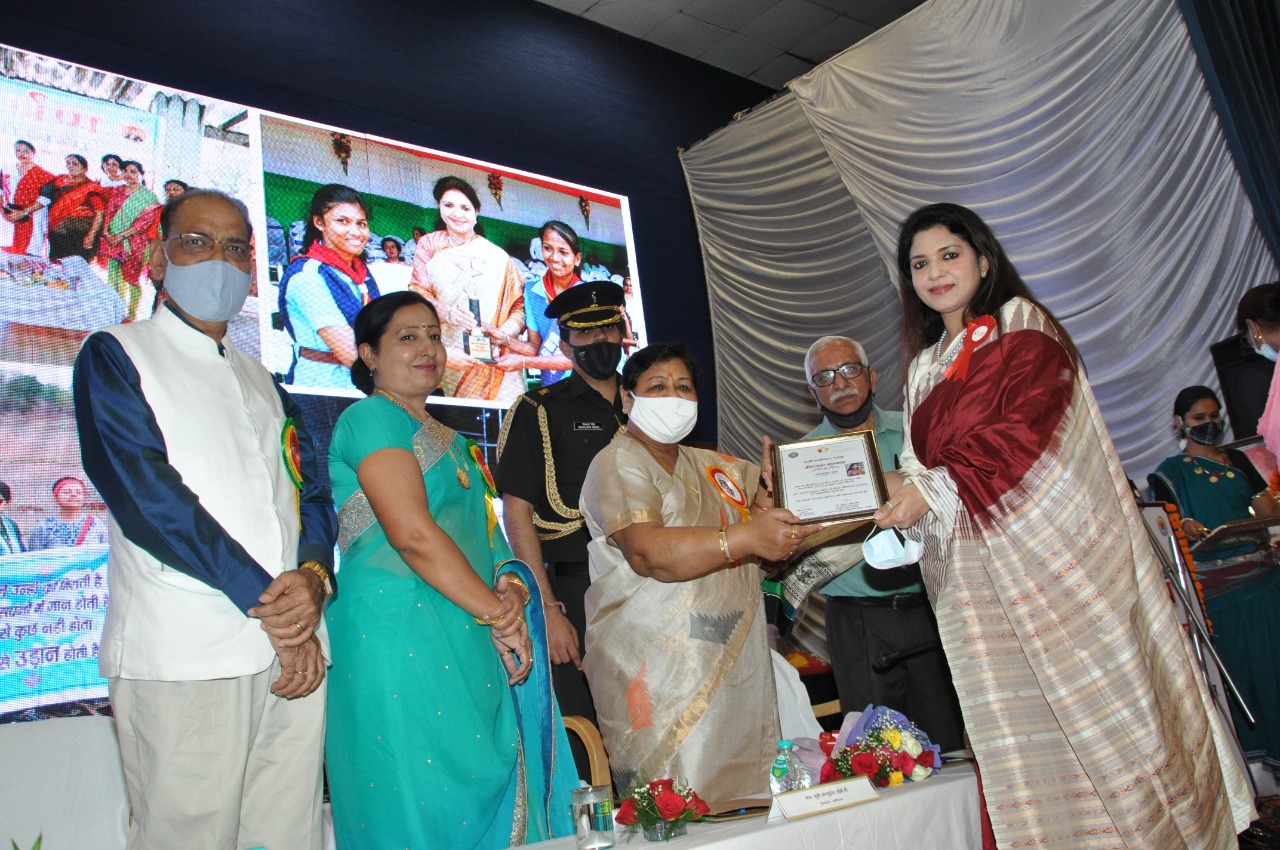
(661, 808)
(885, 747)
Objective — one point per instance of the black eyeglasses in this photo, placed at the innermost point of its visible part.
(848, 371)
(200, 247)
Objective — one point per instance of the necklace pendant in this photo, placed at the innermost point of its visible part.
(1213, 479)
(1231, 475)
(1199, 471)
(464, 479)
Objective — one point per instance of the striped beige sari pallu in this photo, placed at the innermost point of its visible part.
(680, 672)
(1088, 715)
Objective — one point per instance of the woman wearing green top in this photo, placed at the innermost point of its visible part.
(1212, 486)
(443, 730)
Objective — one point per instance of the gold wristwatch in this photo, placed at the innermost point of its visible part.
(318, 568)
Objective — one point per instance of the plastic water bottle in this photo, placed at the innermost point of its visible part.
(788, 772)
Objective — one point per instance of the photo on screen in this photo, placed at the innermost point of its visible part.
(349, 217)
(87, 160)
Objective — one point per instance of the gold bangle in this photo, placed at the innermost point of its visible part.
(519, 582)
(489, 622)
(724, 544)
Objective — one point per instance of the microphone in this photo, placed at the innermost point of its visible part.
(885, 661)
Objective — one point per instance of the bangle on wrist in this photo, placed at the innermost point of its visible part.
(724, 545)
(519, 582)
(556, 604)
(480, 621)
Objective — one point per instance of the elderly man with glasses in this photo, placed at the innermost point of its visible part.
(881, 632)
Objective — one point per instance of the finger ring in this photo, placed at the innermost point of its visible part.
(792, 534)
(889, 505)
(298, 626)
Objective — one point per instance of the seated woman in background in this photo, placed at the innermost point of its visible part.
(325, 286)
(1212, 486)
(1258, 319)
(427, 745)
(676, 652)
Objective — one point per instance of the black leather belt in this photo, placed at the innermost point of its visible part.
(898, 602)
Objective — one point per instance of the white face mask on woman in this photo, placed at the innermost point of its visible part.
(666, 419)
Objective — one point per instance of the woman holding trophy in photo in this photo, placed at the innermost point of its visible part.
(479, 292)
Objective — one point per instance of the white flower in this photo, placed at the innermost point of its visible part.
(910, 745)
(921, 772)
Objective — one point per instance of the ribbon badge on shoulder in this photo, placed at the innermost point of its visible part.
(291, 450)
(729, 490)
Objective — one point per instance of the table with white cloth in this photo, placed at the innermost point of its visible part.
(940, 812)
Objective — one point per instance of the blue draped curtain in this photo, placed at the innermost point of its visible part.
(1236, 44)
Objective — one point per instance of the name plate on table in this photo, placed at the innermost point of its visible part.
(829, 479)
(826, 797)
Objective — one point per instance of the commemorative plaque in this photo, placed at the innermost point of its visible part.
(829, 479)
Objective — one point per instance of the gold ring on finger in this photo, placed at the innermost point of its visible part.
(299, 627)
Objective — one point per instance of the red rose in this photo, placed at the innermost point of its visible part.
(829, 773)
(658, 785)
(669, 804)
(626, 812)
(698, 805)
(827, 742)
(925, 758)
(903, 762)
(864, 764)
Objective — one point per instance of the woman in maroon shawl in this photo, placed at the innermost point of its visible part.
(22, 203)
(76, 212)
(1089, 719)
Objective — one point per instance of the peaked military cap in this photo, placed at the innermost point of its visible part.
(587, 305)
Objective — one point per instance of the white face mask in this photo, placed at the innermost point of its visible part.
(667, 419)
(1268, 352)
(887, 549)
(211, 291)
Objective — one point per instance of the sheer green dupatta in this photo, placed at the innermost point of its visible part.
(548, 768)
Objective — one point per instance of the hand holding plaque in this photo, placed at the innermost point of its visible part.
(830, 479)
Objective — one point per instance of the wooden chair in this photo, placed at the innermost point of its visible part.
(591, 740)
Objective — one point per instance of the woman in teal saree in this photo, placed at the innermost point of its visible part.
(443, 730)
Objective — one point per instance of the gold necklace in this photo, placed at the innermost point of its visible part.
(1213, 476)
(438, 431)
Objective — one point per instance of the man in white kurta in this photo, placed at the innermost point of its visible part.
(221, 542)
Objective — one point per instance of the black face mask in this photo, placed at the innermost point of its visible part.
(847, 421)
(599, 359)
(1206, 433)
